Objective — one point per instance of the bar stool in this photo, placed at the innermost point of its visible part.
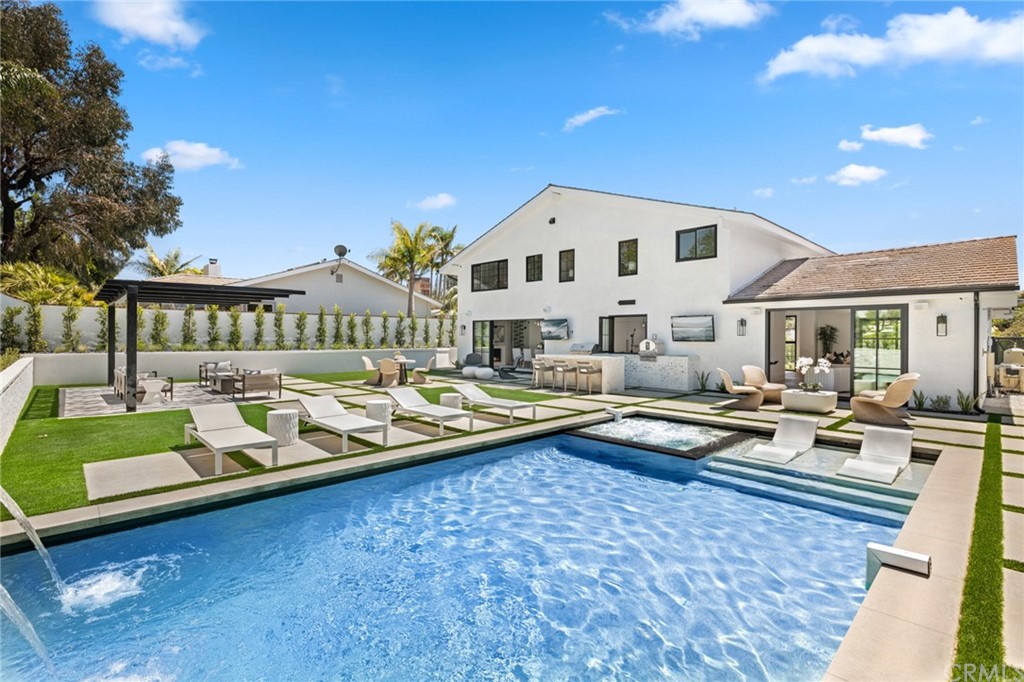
(589, 370)
(540, 368)
(565, 369)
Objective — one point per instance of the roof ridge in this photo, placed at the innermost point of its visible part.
(917, 246)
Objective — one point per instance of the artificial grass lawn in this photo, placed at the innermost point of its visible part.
(41, 467)
(980, 635)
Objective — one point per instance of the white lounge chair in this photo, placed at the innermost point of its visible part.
(475, 395)
(222, 429)
(327, 413)
(411, 402)
(884, 454)
(793, 437)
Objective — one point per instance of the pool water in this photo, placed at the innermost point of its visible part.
(660, 432)
(556, 559)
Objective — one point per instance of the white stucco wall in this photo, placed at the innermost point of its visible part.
(593, 224)
(358, 291)
(15, 385)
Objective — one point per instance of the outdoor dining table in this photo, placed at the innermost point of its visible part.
(403, 363)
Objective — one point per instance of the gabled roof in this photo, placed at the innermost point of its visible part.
(325, 264)
(557, 189)
(189, 278)
(975, 265)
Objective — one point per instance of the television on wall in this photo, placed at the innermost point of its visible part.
(554, 330)
(693, 328)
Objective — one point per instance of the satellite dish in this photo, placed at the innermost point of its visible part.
(340, 250)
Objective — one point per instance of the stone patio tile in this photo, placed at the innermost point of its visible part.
(204, 463)
(131, 474)
(363, 398)
(615, 398)
(402, 432)
(951, 499)
(1013, 463)
(1013, 616)
(1011, 430)
(575, 404)
(937, 522)
(953, 423)
(1013, 535)
(331, 443)
(685, 406)
(949, 559)
(1013, 491)
(933, 602)
(338, 391)
(1011, 443)
(300, 451)
(481, 422)
(141, 507)
(884, 648)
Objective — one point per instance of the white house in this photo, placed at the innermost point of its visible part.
(327, 282)
(723, 288)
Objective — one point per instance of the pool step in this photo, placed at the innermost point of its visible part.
(832, 480)
(811, 492)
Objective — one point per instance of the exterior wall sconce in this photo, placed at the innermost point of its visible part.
(741, 327)
(941, 326)
(462, 330)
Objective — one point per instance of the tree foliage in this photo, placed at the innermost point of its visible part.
(1011, 326)
(171, 264)
(408, 257)
(69, 197)
(35, 283)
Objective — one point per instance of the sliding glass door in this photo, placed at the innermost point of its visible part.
(879, 346)
(482, 332)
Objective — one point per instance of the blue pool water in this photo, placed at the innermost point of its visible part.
(557, 559)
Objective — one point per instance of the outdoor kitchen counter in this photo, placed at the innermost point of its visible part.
(613, 369)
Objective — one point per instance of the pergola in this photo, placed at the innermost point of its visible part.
(150, 291)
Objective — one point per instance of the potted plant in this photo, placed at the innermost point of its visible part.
(804, 365)
(827, 335)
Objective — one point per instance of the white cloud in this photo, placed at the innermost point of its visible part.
(435, 202)
(586, 117)
(808, 180)
(156, 21)
(839, 23)
(854, 174)
(913, 135)
(955, 36)
(850, 146)
(959, 148)
(764, 192)
(976, 210)
(187, 155)
(978, 120)
(687, 19)
(155, 62)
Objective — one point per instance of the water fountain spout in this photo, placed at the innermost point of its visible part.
(12, 506)
(19, 618)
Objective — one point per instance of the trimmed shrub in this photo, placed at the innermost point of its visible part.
(235, 341)
(140, 328)
(189, 332)
(213, 338)
(440, 330)
(940, 403)
(338, 338)
(400, 330)
(259, 319)
(301, 340)
(101, 323)
(385, 331)
(350, 331)
(414, 325)
(158, 334)
(367, 329)
(279, 340)
(34, 342)
(451, 332)
(70, 337)
(10, 330)
(321, 329)
(426, 332)
(9, 357)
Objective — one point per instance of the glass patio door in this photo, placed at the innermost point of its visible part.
(879, 347)
(482, 332)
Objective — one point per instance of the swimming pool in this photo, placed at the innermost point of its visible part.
(561, 558)
(659, 432)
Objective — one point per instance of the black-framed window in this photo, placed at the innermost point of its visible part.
(697, 243)
(535, 268)
(790, 339)
(627, 257)
(567, 265)
(490, 276)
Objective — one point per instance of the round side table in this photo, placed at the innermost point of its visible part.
(379, 410)
(283, 425)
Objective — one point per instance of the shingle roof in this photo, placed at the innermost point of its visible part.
(189, 278)
(978, 264)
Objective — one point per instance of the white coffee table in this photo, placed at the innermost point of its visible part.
(283, 425)
(820, 402)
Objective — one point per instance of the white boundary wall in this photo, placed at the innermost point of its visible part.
(91, 368)
(15, 385)
(89, 326)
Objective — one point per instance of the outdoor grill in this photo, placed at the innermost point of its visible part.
(584, 349)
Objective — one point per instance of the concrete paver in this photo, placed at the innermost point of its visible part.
(1013, 535)
(1013, 463)
(1013, 491)
(1013, 617)
(129, 475)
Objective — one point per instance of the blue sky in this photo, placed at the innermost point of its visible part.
(297, 126)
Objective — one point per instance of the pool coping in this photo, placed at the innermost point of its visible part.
(905, 628)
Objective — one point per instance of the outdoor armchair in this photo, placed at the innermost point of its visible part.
(884, 454)
(751, 397)
(755, 376)
(793, 436)
(886, 409)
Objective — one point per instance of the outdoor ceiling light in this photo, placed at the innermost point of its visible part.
(741, 327)
(941, 325)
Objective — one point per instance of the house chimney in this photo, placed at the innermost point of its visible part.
(212, 269)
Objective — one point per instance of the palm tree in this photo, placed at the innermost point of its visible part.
(409, 255)
(155, 266)
(445, 248)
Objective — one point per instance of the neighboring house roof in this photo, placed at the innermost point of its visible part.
(556, 189)
(325, 264)
(976, 265)
(188, 278)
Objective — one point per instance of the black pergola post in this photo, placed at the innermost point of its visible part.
(131, 369)
(111, 342)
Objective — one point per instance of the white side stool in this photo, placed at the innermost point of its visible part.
(469, 372)
(283, 425)
(484, 373)
(453, 400)
(379, 411)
